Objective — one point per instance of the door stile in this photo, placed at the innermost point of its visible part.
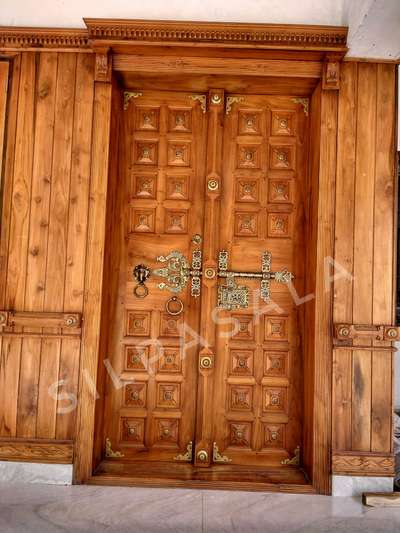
(213, 185)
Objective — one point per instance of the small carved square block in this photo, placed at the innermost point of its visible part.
(240, 397)
(166, 431)
(177, 187)
(250, 123)
(282, 157)
(169, 395)
(276, 364)
(249, 156)
(241, 362)
(243, 327)
(170, 359)
(275, 399)
(279, 190)
(146, 152)
(135, 394)
(147, 118)
(171, 326)
(276, 328)
(274, 436)
(283, 123)
(143, 220)
(247, 190)
(180, 120)
(240, 434)
(138, 323)
(246, 223)
(144, 185)
(132, 430)
(136, 358)
(176, 221)
(278, 225)
(179, 153)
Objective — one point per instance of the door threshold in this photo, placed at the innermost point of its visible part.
(221, 477)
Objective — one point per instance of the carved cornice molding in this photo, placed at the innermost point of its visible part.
(42, 38)
(274, 36)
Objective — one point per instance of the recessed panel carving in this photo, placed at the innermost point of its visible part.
(276, 328)
(169, 395)
(135, 395)
(240, 434)
(146, 152)
(136, 358)
(132, 430)
(242, 362)
(147, 118)
(283, 123)
(240, 397)
(176, 221)
(137, 323)
(144, 185)
(243, 327)
(274, 436)
(246, 224)
(249, 156)
(279, 190)
(177, 187)
(143, 220)
(247, 190)
(249, 123)
(276, 364)
(169, 359)
(180, 120)
(281, 157)
(171, 326)
(166, 431)
(275, 399)
(179, 153)
(278, 225)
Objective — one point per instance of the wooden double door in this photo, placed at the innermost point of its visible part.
(204, 356)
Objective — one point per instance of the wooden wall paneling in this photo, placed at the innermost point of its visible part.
(4, 75)
(93, 281)
(324, 298)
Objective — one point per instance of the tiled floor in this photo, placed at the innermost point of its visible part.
(45, 508)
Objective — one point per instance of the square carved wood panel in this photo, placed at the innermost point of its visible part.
(249, 156)
(176, 221)
(243, 327)
(147, 118)
(166, 431)
(282, 157)
(169, 395)
(179, 153)
(250, 123)
(180, 120)
(247, 190)
(177, 187)
(280, 191)
(240, 434)
(279, 225)
(137, 323)
(276, 363)
(240, 397)
(241, 362)
(283, 123)
(146, 152)
(276, 328)
(246, 223)
(135, 395)
(274, 435)
(142, 220)
(275, 399)
(132, 430)
(144, 185)
(136, 358)
(171, 326)
(169, 359)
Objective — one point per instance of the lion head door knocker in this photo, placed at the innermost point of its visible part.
(141, 273)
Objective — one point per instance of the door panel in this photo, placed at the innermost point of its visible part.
(257, 402)
(150, 412)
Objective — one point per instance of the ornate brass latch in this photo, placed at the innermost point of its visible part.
(178, 271)
(234, 296)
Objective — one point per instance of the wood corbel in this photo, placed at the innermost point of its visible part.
(103, 64)
(331, 72)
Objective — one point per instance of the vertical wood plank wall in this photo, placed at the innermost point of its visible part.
(44, 237)
(46, 187)
(365, 247)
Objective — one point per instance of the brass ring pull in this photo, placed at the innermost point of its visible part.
(176, 301)
(141, 291)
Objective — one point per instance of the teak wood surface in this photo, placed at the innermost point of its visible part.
(64, 139)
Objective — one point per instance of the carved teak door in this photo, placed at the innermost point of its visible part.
(204, 357)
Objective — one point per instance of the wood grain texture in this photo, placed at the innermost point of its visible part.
(45, 451)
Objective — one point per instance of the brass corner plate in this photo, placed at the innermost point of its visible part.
(110, 453)
(186, 457)
(218, 457)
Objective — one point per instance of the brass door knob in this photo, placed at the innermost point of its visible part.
(202, 456)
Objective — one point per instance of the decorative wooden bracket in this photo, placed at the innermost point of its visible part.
(348, 332)
(40, 319)
(331, 72)
(103, 65)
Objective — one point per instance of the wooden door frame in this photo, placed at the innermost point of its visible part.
(257, 50)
